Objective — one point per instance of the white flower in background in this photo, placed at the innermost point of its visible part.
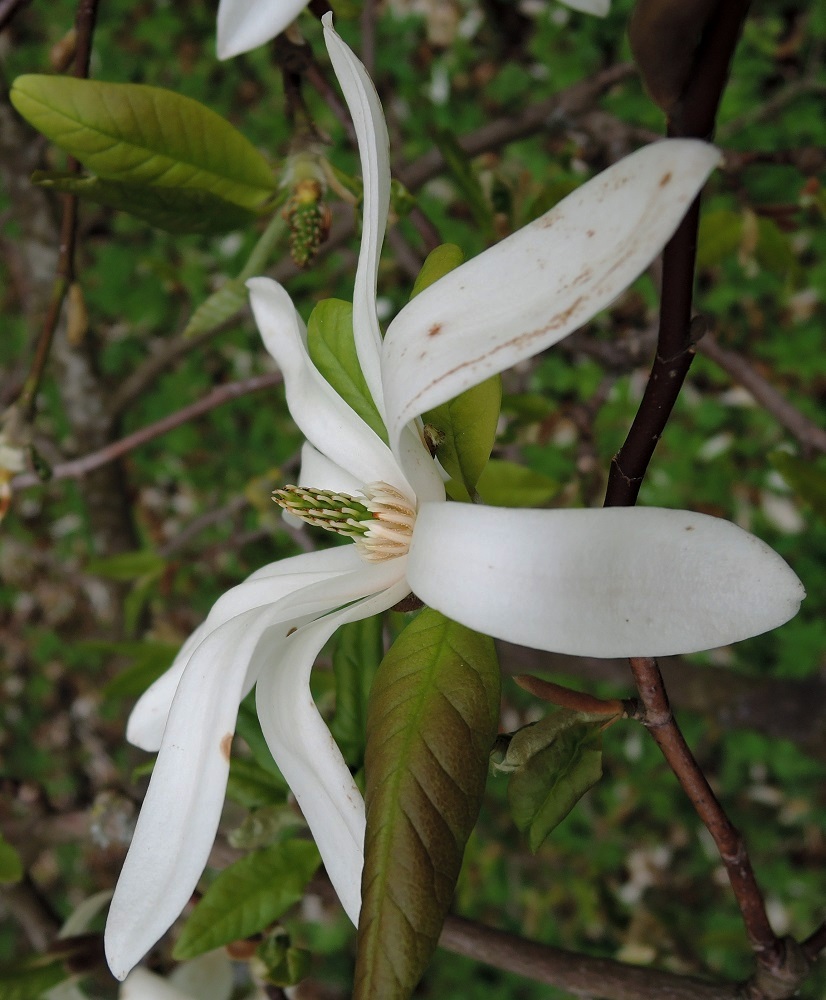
(207, 977)
(592, 582)
(246, 24)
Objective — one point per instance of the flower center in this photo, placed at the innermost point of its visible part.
(380, 521)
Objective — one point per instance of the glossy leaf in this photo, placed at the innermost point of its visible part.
(552, 780)
(466, 427)
(356, 659)
(332, 349)
(432, 721)
(248, 896)
(507, 484)
(175, 210)
(438, 263)
(145, 135)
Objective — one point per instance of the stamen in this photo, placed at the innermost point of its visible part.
(380, 522)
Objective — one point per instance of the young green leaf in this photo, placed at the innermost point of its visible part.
(332, 348)
(432, 720)
(547, 787)
(438, 263)
(466, 429)
(248, 896)
(175, 210)
(507, 484)
(356, 659)
(136, 134)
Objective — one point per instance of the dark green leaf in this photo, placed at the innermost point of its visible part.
(145, 135)
(463, 175)
(151, 659)
(466, 427)
(356, 659)
(248, 896)
(432, 720)
(546, 788)
(333, 351)
(249, 729)
(252, 786)
(175, 210)
(438, 263)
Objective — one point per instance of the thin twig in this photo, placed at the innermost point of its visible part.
(84, 26)
(79, 467)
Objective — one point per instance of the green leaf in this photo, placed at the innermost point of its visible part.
(332, 349)
(358, 653)
(547, 787)
(264, 826)
(145, 135)
(438, 263)
(252, 786)
(151, 659)
(432, 720)
(719, 237)
(11, 867)
(506, 484)
(248, 896)
(807, 479)
(127, 566)
(248, 728)
(230, 298)
(30, 979)
(466, 428)
(175, 210)
(285, 964)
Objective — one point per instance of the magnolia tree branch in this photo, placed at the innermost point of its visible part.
(79, 467)
(84, 27)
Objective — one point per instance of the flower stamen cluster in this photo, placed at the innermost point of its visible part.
(380, 522)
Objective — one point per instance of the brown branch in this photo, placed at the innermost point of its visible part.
(84, 27)
(79, 467)
(8, 8)
(659, 720)
(581, 975)
(811, 436)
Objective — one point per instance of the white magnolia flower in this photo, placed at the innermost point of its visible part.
(591, 582)
(246, 24)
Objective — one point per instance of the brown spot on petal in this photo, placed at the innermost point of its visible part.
(665, 179)
(435, 329)
(226, 746)
(293, 629)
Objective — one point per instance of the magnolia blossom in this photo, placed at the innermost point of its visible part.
(246, 24)
(592, 582)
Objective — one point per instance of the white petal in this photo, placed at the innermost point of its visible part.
(616, 582)
(374, 151)
(246, 24)
(541, 283)
(182, 808)
(599, 8)
(148, 718)
(322, 473)
(327, 422)
(306, 752)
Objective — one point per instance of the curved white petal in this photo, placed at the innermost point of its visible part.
(541, 283)
(306, 752)
(322, 473)
(616, 582)
(182, 808)
(327, 422)
(374, 152)
(599, 8)
(148, 718)
(246, 24)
